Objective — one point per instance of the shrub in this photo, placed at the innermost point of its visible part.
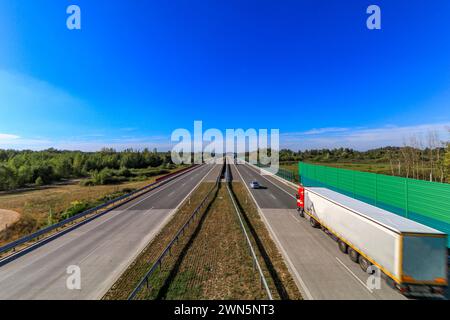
(87, 183)
(26, 225)
(75, 208)
(39, 182)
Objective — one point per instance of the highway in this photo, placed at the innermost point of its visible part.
(320, 270)
(102, 248)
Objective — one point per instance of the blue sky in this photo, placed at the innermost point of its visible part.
(140, 69)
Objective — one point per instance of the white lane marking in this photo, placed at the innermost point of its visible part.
(342, 263)
(276, 185)
(273, 196)
(93, 251)
(148, 211)
(296, 218)
(348, 270)
(354, 275)
(158, 228)
(108, 218)
(303, 286)
(161, 189)
(171, 193)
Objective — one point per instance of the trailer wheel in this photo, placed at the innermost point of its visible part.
(314, 223)
(391, 283)
(354, 256)
(342, 246)
(364, 264)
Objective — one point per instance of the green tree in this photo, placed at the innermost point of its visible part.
(447, 162)
(39, 181)
(8, 178)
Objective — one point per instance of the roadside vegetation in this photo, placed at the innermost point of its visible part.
(416, 159)
(27, 169)
(45, 206)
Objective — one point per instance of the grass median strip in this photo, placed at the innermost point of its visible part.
(212, 259)
(134, 273)
(275, 270)
(215, 263)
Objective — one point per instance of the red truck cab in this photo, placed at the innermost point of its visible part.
(301, 200)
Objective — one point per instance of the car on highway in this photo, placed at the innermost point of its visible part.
(255, 185)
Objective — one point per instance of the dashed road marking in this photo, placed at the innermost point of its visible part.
(354, 275)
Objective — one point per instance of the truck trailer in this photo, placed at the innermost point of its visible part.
(412, 256)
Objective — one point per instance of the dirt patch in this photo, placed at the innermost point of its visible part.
(7, 218)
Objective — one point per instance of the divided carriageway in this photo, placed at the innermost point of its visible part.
(102, 248)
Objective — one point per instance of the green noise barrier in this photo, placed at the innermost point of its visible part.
(422, 201)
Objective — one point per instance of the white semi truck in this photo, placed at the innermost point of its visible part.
(412, 256)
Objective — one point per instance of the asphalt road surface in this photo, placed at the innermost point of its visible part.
(319, 268)
(102, 248)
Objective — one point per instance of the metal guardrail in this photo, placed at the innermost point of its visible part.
(114, 203)
(166, 251)
(252, 250)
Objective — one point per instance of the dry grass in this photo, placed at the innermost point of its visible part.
(216, 263)
(279, 278)
(40, 202)
(34, 206)
(129, 279)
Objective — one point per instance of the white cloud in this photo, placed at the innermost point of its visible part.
(357, 138)
(5, 136)
(363, 138)
(78, 143)
(320, 131)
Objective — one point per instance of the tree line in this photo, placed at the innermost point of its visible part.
(412, 160)
(24, 168)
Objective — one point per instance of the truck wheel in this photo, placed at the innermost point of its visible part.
(354, 256)
(364, 264)
(301, 213)
(391, 283)
(342, 246)
(314, 223)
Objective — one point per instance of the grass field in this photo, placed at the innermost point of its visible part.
(34, 206)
